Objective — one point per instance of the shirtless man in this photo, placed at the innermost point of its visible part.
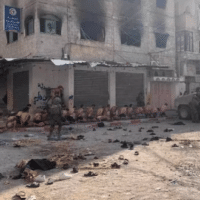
(80, 114)
(114, 114)
(130, 111)
(90, 113)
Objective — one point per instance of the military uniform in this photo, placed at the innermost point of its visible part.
(55, 115)
(195, 108)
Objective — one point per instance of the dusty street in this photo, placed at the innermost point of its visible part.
(160, 171)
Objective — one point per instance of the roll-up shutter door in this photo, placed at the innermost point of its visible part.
(90, 87)
(20, 90)
(128, 86)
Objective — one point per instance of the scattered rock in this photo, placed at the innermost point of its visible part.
(125, 129)
(152, 134)
(94, 129)
(145, 139)
(96, 157)
(129, 131)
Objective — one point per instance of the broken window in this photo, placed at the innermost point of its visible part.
(29, 25)
(161, 40)
(131, 27)
(11, 36)
(184, 41)
(131, 37)
(50, 25)
(91, 30)
(161, 3)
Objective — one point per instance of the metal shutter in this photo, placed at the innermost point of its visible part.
(128, 86)
(90, 88)
(20, 90)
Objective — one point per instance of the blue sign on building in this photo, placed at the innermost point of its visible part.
(11, 19)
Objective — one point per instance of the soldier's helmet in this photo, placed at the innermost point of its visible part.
(198, 89)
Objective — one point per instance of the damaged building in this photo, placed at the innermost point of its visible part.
(101, 51)
(188, 43)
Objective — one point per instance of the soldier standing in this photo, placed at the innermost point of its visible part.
(195, 106)
(55, 113)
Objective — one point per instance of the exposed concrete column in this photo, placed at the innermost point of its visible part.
(112, 88)
(37, 21)
(70, 103)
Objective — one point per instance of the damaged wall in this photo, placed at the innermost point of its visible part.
(123, 30)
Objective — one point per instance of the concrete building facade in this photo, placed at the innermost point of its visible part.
(188, 43)
(122, 33)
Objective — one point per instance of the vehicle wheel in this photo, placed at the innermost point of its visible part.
(184, 112)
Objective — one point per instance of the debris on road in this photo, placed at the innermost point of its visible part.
(20, 195)
(168, 139)
(136, 153)
(50, 181)
(1, 176)
(155, 127)
(152, 134)
(115, 166)
(126, 161)
(74, 170)
(43, 164)
(33, 185)
(168, 130)
(40, 178)
(178, 123)
(90, 174)
(121, 157)
(95, 164)
(150, 131)
(64, 176)
(145, 144)
(33, 197)
(175, 145)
